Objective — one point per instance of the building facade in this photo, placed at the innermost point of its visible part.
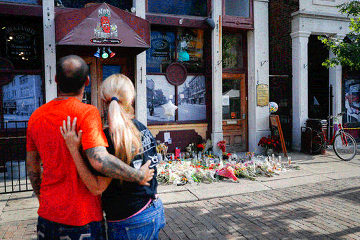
(206, 57)
(310, 90)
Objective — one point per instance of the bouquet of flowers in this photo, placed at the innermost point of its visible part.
(269, 143)
(222, 145)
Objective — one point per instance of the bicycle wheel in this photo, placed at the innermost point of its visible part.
(317, 142)
(344, 146)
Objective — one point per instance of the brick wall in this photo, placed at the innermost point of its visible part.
(279, 33)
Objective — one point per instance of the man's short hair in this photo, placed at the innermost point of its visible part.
(71, 74)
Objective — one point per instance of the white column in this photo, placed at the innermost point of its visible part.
(335, 79)
(49, 50)
(216, 79)
(299, 84)
(258, 73)
(140, 73)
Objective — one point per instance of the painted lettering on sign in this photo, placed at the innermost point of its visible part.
(105, 32)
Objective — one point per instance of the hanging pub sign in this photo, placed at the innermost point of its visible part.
(105, 32)
(21, 43)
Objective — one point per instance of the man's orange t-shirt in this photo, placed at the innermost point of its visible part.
(64, 198)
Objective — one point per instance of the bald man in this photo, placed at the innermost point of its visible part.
(67, 209)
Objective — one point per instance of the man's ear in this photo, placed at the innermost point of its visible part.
(87, 82)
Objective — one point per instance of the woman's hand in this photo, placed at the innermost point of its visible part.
(68, 131)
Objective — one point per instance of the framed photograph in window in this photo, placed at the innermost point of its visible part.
(159, 91)
(191, 99)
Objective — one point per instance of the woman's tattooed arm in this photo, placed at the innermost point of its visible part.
(113, 167)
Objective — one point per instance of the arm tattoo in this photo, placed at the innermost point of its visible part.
(111, 166)
(35, 179)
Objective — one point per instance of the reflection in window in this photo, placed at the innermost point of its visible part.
(21, 97)
(109, 70)
(232, 49)
(231, 99)
(178, 7)
(238, 8)
(190, 49)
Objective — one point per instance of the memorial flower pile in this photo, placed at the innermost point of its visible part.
(197, 165)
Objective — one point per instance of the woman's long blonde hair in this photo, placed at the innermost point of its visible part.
(119, 93)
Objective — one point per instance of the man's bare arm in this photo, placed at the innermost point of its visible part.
(34, 171)
(113, 167)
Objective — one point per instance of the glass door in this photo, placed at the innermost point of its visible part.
(234, 106)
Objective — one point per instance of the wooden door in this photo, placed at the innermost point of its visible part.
(100, 69)
(235, 128)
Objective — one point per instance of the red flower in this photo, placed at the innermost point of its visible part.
(222, 146)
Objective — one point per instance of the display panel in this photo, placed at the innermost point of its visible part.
(191, 99)
(159, 92)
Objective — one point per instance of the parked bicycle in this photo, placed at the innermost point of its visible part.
(343, 143)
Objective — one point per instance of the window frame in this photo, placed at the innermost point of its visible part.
(177, 20)
(238, 22)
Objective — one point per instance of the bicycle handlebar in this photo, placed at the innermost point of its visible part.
(337, 115)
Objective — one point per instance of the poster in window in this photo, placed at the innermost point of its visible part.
(21, 44)
(161, 53)
(352, 100)
(21, 97)
(159, 91)
(191, 99)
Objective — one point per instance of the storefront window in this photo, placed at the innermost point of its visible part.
(21, 43)
(232, 51)
(162, 51)
(21, 97)
(190, 49)
(178, 7)
(124, 4)
(238, 8)
(22, 1)
(190, 99)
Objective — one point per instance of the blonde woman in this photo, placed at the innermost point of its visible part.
(132, 211)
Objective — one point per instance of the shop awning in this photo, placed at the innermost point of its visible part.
(101, 25)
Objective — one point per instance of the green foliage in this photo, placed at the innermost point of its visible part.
(347, 50)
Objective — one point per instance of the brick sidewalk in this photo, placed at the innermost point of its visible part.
(326, 210)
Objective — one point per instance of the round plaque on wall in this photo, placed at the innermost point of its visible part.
(176, 73)
(6, 76)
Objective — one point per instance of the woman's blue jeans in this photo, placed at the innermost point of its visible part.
(143, 226)
(48, 230)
